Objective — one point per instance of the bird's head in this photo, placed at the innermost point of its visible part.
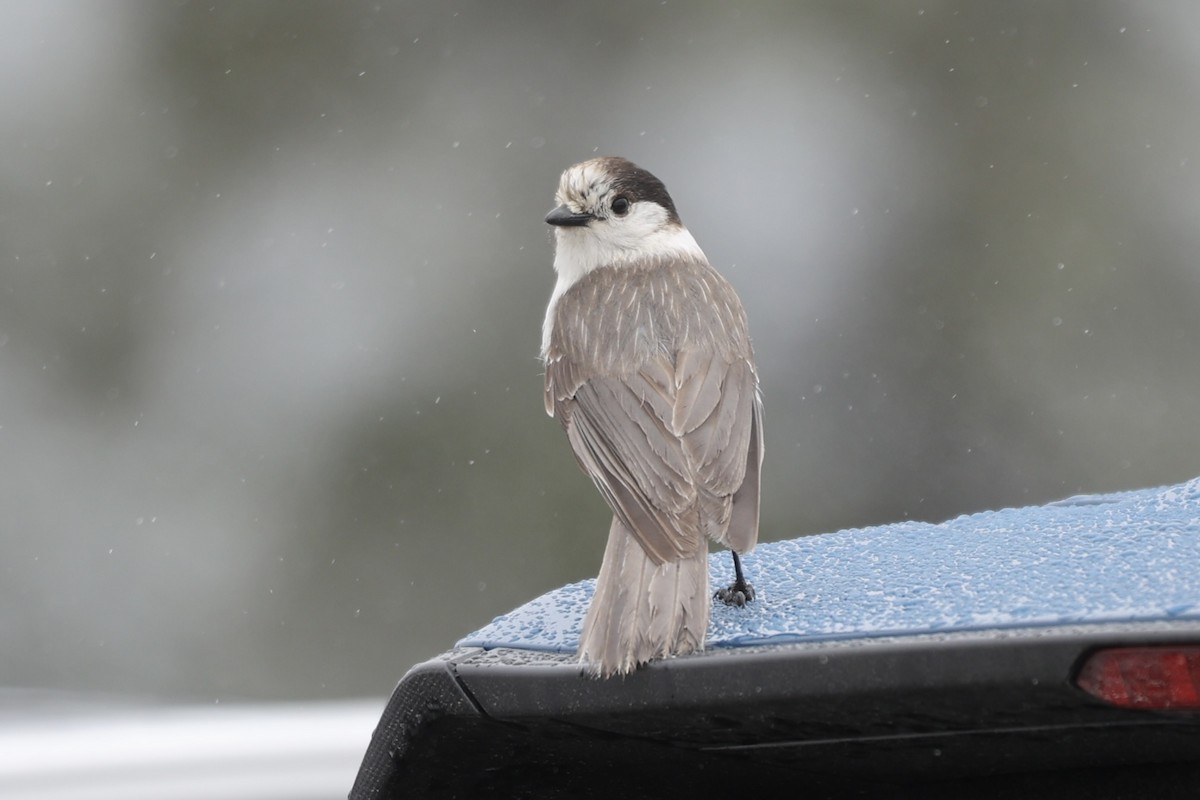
(612, 212)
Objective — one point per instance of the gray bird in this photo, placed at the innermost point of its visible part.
(650, 370)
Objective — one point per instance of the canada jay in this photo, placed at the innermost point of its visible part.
(649, 369)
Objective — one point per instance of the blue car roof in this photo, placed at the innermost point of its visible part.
(1126, 557)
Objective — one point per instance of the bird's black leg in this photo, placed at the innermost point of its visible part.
(741, 591)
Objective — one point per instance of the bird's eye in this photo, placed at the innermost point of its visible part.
(620, 206)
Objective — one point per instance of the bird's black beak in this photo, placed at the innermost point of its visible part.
(565, 216)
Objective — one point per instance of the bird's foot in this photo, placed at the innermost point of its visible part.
(737, 593)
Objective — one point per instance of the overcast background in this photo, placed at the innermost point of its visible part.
(272, 278)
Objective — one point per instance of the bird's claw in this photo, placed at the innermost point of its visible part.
(737, 594)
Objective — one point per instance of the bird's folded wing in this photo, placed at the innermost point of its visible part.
(667, 446)
(723, 443)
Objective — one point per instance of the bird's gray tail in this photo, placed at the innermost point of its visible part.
(642, 610)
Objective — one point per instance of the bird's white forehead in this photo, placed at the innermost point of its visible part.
(584, 185)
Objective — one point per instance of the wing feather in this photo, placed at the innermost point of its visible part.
(663, 535)
(670, 490)
(742, 533)
(698, 390)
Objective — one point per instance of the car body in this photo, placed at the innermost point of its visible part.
(986, 656)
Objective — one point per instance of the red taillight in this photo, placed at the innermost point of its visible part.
(1159, 677)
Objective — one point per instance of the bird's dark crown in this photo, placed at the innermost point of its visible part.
(611, 176)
